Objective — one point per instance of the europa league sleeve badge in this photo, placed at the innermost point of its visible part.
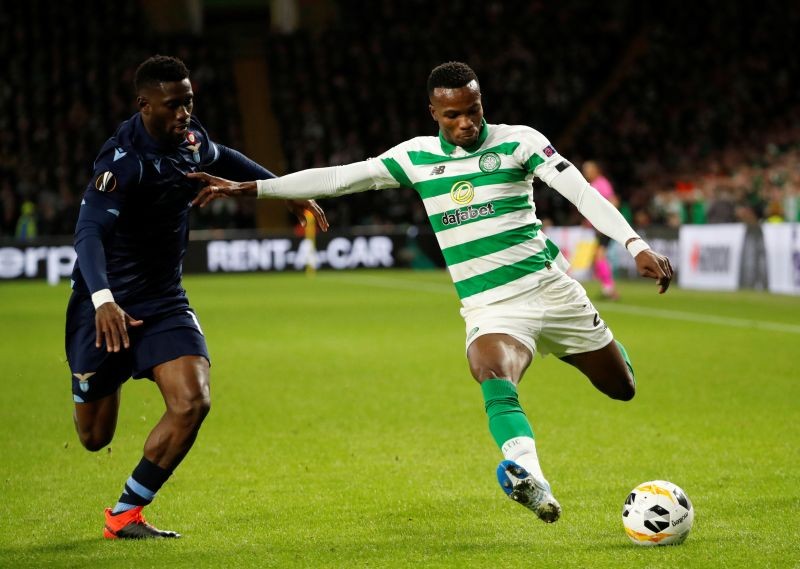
(106, 182)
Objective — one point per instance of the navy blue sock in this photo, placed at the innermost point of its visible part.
(141, 487)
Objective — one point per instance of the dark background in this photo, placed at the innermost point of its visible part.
(691, 108)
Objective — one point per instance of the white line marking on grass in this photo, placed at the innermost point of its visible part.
(703, 318)
(418, 286)
(399, 284)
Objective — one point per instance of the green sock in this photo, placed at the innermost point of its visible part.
(506, 418)
(627, 359)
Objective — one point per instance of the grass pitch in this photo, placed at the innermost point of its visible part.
(346, 432)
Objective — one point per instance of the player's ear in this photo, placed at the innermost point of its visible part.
(142, 103)
(433, 112)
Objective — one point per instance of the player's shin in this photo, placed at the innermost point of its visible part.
(509, 425)
(519, 475)
(142, 486)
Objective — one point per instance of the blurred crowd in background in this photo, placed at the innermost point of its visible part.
(694, 115)
(66, 82)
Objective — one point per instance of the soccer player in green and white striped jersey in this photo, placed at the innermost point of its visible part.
(475, 180)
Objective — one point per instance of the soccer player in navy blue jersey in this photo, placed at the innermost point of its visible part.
(128, 315)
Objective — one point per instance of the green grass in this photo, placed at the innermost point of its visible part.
(347, 432)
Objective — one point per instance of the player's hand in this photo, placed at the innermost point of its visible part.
(299, 208)
(111, 323)
(652, 265)
(216, 188)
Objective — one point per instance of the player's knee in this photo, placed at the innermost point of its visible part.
(93, 441)
(494, 370)
(626, 390)
(481, 374)
(197, 409)
(192, 410)
(204, 407)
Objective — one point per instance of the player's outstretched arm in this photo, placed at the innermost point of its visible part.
(232, 164)
(216, 187)
(605, 218)
(306, 184)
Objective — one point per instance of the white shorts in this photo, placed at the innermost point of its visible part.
(555, 318)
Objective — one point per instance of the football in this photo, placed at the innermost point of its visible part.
(657, 513)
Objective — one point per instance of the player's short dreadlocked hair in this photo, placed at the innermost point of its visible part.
(158, 69)
(450, 75)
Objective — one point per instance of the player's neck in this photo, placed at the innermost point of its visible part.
(160, 141)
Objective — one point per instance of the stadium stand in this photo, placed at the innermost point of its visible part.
(704, 127)
(695, 114)
(66, 82)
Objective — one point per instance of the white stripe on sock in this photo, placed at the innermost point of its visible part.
(522, 450)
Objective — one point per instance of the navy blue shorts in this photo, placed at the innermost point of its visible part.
(97, 373)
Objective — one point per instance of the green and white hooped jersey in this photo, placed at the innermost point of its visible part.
(479, 202)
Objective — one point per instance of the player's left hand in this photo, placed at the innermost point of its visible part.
(652, 265)
(299, 208)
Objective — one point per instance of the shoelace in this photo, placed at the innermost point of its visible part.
(138, 519)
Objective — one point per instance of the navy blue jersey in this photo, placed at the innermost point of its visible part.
(137, 204)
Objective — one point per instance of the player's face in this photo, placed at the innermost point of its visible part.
(459, 113)
(166, 109)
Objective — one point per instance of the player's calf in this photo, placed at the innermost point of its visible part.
(609, 369)
(628, 389)
(617, 384)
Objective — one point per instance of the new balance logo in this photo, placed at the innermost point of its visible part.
(437, 170)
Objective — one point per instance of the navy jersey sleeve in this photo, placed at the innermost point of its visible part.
(235, 166)
(222, 161)
(116, 171)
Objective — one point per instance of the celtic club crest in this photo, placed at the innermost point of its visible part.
(489, 162)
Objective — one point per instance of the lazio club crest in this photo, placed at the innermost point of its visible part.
(83, 380)
(194, 146)
(489, 162)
